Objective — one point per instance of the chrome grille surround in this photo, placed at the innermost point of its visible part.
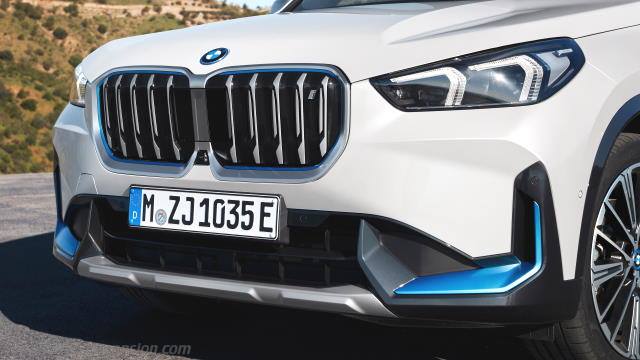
(285, 118)
(203, 140)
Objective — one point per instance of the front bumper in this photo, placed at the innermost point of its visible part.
(524, 288)
(447, 176)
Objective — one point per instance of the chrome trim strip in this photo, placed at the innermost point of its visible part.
(347, 299)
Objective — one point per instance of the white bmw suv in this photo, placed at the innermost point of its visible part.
(468, 163)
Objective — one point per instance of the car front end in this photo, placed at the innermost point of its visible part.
(347, 160)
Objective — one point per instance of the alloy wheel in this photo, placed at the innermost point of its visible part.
(615, 264)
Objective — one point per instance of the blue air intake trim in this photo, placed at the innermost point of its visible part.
(65, 243)
(500, 278)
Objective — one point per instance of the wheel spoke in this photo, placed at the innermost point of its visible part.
(634, 342)
(629, 193)
(614, 333)
(605, 272)
(622, 225)
(612, 243)
(615, 295)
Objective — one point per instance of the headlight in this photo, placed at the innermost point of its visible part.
(517, 75)
(78, 88)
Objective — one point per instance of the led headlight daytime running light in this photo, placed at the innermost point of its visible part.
(512, 76)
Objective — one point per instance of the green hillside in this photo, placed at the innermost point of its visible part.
(40, 46)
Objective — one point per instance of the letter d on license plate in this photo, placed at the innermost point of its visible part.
(250, 216)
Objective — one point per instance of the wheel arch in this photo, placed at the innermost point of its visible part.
(626, 119)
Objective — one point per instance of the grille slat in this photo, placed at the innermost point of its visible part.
(134, 114)
(300, 123)
(275, 105)
(253, 120)
(275, 119)
(148, 116)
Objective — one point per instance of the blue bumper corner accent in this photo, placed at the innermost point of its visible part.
(65, 243)
(488, 280)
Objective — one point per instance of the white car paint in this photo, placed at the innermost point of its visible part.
(447, 173)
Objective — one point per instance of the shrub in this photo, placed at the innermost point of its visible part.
(28, 10)
(39, 122)
(60, 33)
(62, 92)
(6, 55)
(102, 28)
(4, 5)
(75, 60)
(157, 8)
(22, 94)
(49, 23)
(5, 94)
(47, 64)
(29, 104)
(71, 9)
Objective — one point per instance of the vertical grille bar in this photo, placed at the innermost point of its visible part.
(253, 119)
(300, 123)
(232, 128)
(134, 113)
(120, 122)
(152, 113)
(172, 126)
(277, 126)
(323, 124)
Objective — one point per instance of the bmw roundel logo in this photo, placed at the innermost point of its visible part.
(214, 56)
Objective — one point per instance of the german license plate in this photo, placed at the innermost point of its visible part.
(240, 215)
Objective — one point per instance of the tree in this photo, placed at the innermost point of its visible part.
(60, 33)
(6, 55)
(29, 104)
(72, 9)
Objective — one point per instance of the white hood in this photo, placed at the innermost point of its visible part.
(366, 41)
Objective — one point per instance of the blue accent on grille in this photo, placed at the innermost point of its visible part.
(135, 201)
(103, 137)
(500, 278)
(65, 243)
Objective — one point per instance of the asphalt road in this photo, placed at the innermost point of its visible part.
(48, 312)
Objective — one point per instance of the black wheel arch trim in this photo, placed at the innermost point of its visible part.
(629, 112)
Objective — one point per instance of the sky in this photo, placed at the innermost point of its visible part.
(252, 3)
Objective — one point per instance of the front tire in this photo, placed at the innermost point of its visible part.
(607, 324)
